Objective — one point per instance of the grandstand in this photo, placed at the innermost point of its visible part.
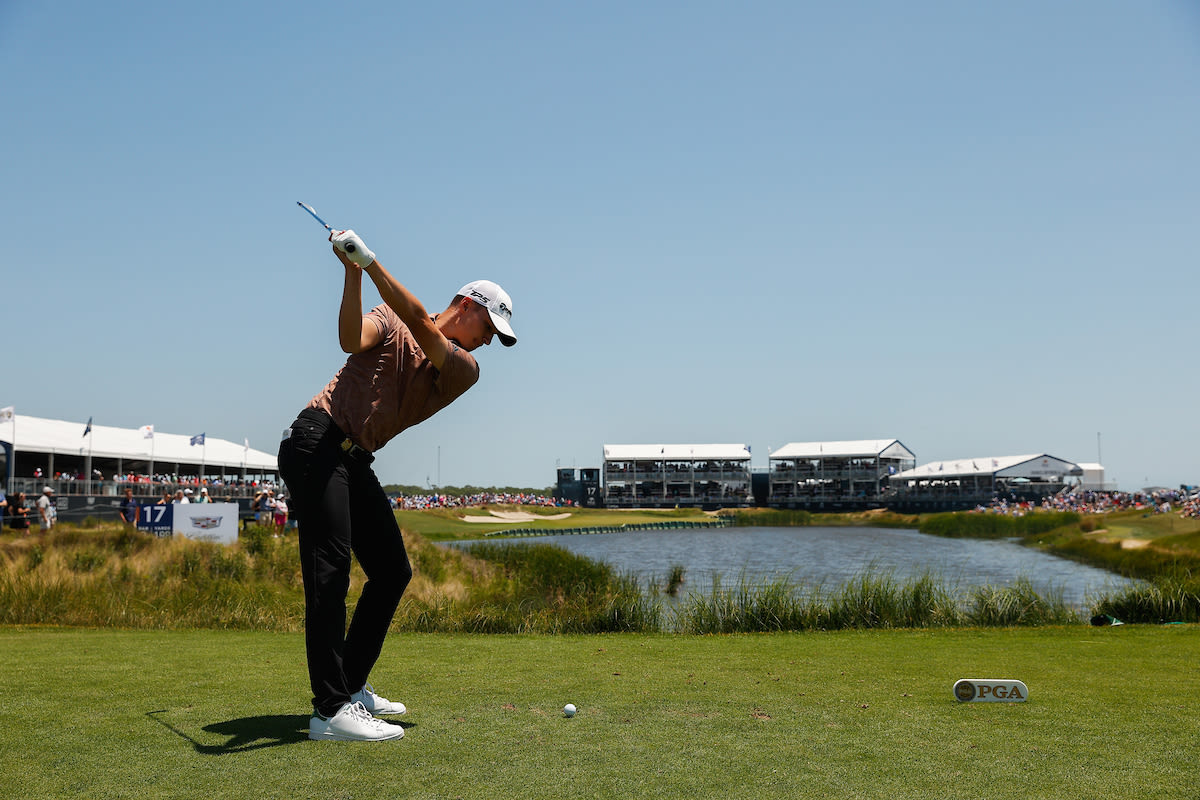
(835, 475)
(968, 482)
(669, 475)
(90, 465)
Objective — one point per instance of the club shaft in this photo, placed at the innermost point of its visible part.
(309, 209)
(349, 248)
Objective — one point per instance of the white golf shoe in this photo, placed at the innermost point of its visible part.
(352, 723)
(376, 704)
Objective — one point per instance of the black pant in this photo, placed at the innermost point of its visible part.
(342, 510)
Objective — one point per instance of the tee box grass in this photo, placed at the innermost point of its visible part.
(865, 714)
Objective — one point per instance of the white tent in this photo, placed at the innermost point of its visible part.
(1032, 467)
(39, 435)
(858, 448)
(676, 452)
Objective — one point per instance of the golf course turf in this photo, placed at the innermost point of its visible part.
(143, 714)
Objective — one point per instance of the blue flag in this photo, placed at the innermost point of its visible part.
(197, 439)
(88, 429)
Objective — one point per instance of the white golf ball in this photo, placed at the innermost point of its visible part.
(569, 709)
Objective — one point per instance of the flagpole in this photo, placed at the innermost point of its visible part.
(88, 469)
(11, 465)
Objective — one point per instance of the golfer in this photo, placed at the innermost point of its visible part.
(404, 367)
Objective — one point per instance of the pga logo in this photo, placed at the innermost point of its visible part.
(980, 690)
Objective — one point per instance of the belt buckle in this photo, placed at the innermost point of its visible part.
(353, 450)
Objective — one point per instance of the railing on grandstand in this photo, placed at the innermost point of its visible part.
(33, 487)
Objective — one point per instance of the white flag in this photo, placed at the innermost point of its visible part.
(7, 414)
(147, 431)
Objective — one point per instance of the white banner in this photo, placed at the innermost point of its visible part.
(217, 522)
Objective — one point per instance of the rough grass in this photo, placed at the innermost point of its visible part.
(110, 577)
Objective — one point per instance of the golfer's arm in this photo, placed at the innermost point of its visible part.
(411, 313)
(354, 335)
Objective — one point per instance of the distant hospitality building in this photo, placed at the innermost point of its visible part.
(967, 482)
(835, 475)
(669, 475)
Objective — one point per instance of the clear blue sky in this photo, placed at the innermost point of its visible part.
(968, 226)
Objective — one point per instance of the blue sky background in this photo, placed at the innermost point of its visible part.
(968, 226)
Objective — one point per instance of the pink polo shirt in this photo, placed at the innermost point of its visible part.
(393, 386)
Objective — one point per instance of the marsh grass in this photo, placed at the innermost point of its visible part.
(873, 599)
(110, 577)
(1017, 604)
(1168, 598)
(973, 525)
(674, 579)
(1143, 562)
(547, 589)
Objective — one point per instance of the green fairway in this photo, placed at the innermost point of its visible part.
(1111, 713)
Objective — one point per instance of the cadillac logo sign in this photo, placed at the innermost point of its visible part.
(206, 523)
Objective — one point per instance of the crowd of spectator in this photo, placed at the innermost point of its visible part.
(161, 477)
(115, 484)
(1161, 501)
(422, 501)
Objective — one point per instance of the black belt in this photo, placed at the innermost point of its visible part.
(331, 433)
(355, 452)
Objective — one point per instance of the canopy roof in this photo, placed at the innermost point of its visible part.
(881, 448)
(1031, 466)
(676, 452)
(38, 435)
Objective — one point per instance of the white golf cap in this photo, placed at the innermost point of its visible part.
(499, 306)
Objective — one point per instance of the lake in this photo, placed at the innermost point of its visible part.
(830, 557)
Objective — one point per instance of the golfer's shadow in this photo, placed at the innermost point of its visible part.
(245, 734)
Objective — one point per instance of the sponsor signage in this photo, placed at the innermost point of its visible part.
(982, 690)
(216, 522)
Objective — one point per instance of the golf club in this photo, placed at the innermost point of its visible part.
(309, 209)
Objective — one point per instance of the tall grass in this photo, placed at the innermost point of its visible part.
(109, 577)
(1018, 604)
(994, 526)
(872, 599)
(1144, 562)
(1168, 598)
(772, 517)
(548, 589)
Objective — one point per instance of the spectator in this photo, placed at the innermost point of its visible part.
(165, 500)
(131, 511)
(180, 497)
(203, 498)
(3, 506)
(263, 506)
(280, 515)
(18, 513)
(47, 511)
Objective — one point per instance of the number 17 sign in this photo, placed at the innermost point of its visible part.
(157, 519)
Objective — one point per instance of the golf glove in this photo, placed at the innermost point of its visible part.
(349, 243)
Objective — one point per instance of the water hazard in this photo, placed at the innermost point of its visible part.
(830, 557)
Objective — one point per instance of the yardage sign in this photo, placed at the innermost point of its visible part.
(157, 519)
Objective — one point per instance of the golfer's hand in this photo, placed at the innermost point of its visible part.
(349, 244)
